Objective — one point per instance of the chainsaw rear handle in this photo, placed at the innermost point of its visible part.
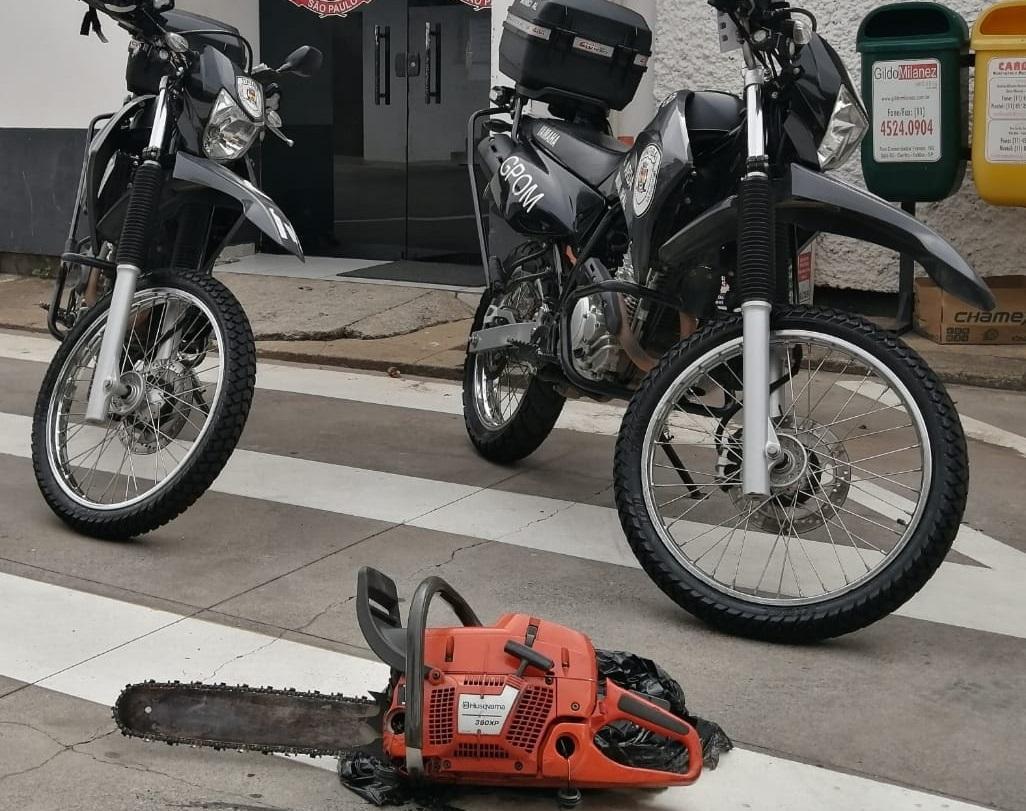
(625, 705)
(416, 627)
(377, 611)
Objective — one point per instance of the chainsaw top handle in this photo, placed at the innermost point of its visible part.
(416, 672)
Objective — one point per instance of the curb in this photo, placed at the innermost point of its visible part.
(1006, 375)
(418, 368)
(1002, 373)
(23, 328)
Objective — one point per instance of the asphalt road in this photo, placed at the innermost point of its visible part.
(255, 584)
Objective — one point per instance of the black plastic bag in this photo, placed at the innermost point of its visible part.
(382, 784)
(373, 779)
(632, 745)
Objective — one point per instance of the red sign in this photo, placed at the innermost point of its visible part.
(343, 7)
(340, 8)
(331, 8)
(924, 70)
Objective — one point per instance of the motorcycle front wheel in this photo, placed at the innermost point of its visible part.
(188, 369)
(866, 497)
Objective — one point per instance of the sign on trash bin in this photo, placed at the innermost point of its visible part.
(1006, 111)
(906, 111)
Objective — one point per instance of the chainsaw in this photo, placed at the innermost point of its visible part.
(521, 703)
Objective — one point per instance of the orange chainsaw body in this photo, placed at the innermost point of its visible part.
(490, 718)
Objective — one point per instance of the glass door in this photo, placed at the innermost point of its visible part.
(453, 42)
(370, 150)
(379, 169)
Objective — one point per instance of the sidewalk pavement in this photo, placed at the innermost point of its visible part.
(421, 331)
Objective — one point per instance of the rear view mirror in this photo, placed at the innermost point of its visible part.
(305, 61)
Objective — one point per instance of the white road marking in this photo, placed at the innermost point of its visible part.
(974, 429)
(422, 395)
(953, 597)
(584, 416)
(89, 647)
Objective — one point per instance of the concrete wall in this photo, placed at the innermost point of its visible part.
(36, 38)
(687, 55)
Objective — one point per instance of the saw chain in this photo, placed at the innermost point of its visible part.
(244, 718)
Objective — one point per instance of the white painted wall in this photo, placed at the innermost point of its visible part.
(243, 14)
(687, 56)
(56, 79)
(637, 115)
(500, 8)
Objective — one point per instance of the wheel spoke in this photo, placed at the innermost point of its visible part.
(803, 530)
(90, 468)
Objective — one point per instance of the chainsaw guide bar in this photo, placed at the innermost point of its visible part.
(248, 718)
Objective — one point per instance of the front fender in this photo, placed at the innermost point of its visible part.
(257, 207)
(817, 203)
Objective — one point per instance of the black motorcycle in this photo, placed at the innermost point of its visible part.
(782, 472)
(148, 394)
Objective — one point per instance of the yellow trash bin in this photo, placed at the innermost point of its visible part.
(999, 108)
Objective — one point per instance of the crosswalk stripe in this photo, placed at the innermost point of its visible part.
(953, 596)
(973, 428)
(98, 644)
(441, 397)
(422, 395)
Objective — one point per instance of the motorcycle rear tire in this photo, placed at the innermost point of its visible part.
(536, 416)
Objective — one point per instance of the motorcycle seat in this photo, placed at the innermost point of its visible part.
(589, 153)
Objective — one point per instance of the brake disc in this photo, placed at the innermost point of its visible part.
(809, 483)
(164, 409)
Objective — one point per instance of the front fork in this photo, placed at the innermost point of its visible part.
(133, 248)
(756, 276)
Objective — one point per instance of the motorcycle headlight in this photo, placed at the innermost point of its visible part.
(230, 132)
(847, 127)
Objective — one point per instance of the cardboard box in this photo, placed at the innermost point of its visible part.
(947, 320)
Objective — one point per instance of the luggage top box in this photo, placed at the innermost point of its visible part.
(564, 49)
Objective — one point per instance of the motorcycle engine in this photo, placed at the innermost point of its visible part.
(596, 351)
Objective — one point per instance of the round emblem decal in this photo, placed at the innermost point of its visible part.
(645, 179)
(251, 95)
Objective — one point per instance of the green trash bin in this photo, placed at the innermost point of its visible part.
(915, 82)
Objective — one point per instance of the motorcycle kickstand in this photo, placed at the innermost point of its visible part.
(678, 465)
